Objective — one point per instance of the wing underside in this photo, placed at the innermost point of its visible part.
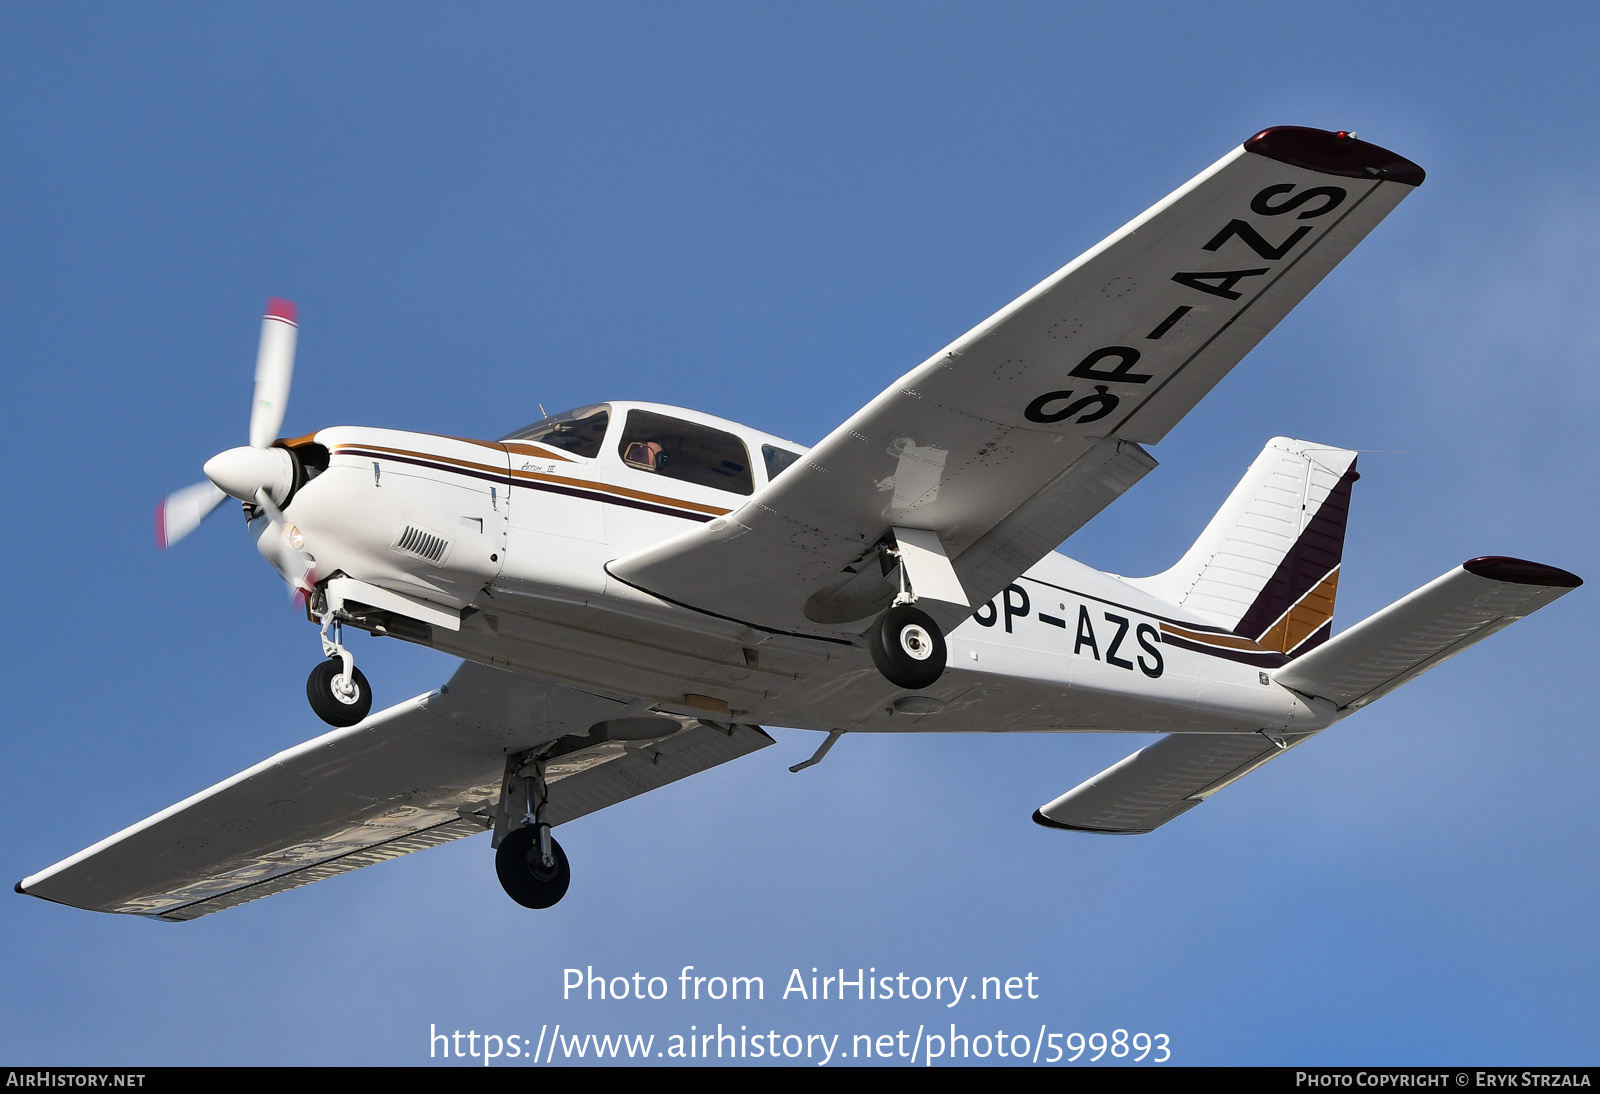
(422, 773)
(1160, 782)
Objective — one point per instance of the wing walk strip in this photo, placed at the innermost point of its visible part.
(535, 480)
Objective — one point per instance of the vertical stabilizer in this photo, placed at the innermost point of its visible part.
(1267, 566)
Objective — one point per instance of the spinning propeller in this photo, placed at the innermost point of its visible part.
(259, 474)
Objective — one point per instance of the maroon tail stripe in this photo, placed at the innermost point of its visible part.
(1312, 558)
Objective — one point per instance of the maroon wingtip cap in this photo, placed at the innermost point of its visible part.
(1521, 572)
(1333, 154)
(279, 308)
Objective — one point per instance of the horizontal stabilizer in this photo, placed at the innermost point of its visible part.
(1155, 784)
(1417, 632)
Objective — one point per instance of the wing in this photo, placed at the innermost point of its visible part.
(1009, 439)
(1146, 790)
(419, 774)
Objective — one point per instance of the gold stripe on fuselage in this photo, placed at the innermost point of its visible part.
(536, 476)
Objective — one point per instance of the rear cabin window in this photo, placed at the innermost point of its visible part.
(778, 459)
(676, 449)
(580, 431)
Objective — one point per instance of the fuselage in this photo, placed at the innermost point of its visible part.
(515, 535)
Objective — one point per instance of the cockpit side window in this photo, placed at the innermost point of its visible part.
(778, 460)
(676, 449)
(580, 431)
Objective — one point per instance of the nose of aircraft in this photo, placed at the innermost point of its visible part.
(240, 472)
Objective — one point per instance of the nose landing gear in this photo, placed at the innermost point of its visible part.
(338, 691)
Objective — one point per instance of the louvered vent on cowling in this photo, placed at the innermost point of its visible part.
(424, 545)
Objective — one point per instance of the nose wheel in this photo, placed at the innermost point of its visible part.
(338, 691)
(340, 699)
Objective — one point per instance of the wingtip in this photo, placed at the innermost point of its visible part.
(279, 308)
(161, 525)
(1340, 153)
(19, 890)
(1043, 821)
(1518, 571)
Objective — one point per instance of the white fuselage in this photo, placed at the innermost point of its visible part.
(516, 536)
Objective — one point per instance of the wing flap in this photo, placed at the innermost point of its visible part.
(1423, 629)
(626, 770)
(1151, 787)
(394, 847)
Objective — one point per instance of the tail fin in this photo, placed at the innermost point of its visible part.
(1267, 566)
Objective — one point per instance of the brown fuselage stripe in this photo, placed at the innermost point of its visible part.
(1224, 641)
(423, 459)
(1261, 658)
(554, 484)
(1202, 640)
(521, 478)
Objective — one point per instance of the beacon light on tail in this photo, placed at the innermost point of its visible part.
(635, 588)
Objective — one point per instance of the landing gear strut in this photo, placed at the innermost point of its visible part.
(906, 644)
(338, 691)
(531, 865)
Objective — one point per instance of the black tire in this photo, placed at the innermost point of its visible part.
(523, 875)
(334, 709)
(908, 648)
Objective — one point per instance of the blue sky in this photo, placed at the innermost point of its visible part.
(769, 212)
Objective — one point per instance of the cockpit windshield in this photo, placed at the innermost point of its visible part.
(578, 431)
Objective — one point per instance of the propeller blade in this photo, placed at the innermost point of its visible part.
(274, 369)
(180, 513)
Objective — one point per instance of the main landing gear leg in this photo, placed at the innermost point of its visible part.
(906, 644)
(338, 691)
(531, 865)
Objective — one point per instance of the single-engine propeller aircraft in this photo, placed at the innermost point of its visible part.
(635, 587)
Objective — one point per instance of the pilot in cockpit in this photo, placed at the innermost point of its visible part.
(646, 456)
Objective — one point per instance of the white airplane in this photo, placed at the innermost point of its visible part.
(635, 587)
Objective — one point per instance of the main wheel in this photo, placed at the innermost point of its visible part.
(908, 648)
(523, 874)
(338, 707)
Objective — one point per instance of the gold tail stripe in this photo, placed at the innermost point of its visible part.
(1305, 618)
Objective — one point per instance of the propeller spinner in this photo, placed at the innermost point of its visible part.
(242, 472)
